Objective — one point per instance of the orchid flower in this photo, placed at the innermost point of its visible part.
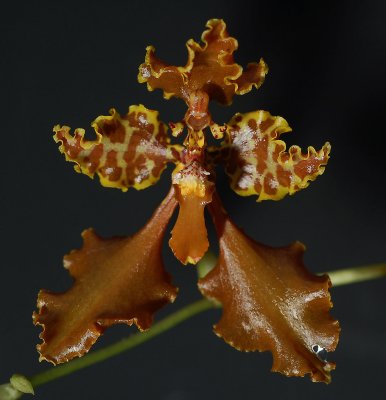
(269, 299)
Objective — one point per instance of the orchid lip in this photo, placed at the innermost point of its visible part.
(271, 302)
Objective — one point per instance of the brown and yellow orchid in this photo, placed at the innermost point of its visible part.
(270, 301)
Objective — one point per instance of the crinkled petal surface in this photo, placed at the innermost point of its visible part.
(129, 151)
(119, 280)
(258, 163)
(210, 68)
(271, 302)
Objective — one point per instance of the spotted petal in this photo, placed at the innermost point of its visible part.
(119, 280)
(271, 302)
(258, 163)
(210, 68)
(129, 151)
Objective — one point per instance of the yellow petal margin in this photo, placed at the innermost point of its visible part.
(210, 68)
(257, 161)
(129, 151)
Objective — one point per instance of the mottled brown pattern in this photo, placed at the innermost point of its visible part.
(92, 161)
(268, 179)
(119, 280)
(73, 147)
(111, 169)
(271, 302)
(283, 176)
(129, 151)
(257, 187)
(258, 163)
(306, 167)
(253, 124)
(265, 125)
(113, 130)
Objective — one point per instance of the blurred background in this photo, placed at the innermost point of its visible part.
(68, 62)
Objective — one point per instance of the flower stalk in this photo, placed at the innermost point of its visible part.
(347, 276)
(132, 341)
(270, 300)
(341, 277)
(252, 281)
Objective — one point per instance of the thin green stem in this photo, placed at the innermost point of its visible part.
(338, 278)
(348, 276)
(125, 344)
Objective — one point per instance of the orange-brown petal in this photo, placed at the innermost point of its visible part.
(271, 302)
(210, 68)
(252, 76)
(194, 188)
(129, 151)
(118, 280)
(189, 240)
(258, 163)
(159, 75)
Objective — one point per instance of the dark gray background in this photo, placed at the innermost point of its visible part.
(68, 62)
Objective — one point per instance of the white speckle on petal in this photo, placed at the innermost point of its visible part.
(145, 72)
(245, 181)
(273, 183)
(142, 119)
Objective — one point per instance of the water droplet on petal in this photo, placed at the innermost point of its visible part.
(320, 351)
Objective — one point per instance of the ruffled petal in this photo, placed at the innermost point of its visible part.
(210, 68)
(129, 151)
(194, 188)
(252, 76)
(271, 302)
(119, 280)
(257, 161)
(159, 75)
